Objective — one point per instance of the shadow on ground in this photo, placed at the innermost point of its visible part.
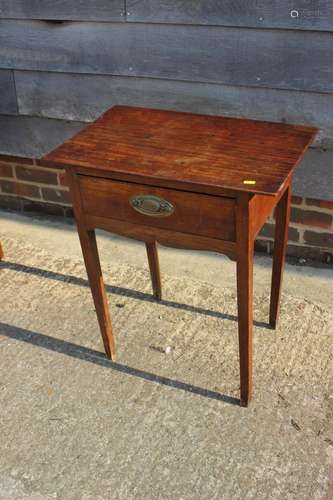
(98, 358)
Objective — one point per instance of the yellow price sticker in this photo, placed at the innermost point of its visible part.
(249, 182)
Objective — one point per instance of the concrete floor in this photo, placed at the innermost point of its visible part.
(61, 240)
(163, 422)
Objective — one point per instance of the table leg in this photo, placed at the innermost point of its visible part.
(93, 267)
(282, 214)
(1, 252)
(245, 250)
(154, 269)
(245, 324)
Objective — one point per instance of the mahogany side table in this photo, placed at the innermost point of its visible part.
(187, 181)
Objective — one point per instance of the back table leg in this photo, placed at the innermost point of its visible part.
(93, 267)
(154, 269)
(282, 213)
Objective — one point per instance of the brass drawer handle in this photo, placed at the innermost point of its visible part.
(149, 204)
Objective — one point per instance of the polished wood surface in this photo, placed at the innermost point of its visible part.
(197, 165)
(212, 216)
(166, 237)
(163, 147)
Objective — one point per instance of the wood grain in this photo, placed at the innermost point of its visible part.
(84, 10)
(210, 216)
(194, 150)
(91, 258)
(302, 60)
(8, 104)
(245, 248)
(85, 97)
(165, 237)
(32, 136)
(282, 214)
(201, 152)
(293, 14)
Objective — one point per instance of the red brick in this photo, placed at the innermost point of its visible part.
(296, 200)
(20, 189)
(56, 195)
(311, 218)
(45, 164)
(324, 240)
(268, 232)
(16, 159)
(312, 253)
(320, 203)
(6, 170)
(262, 246)
(10, 202)
(69, 212)
(63, 179)
(36, 175)
(42, 207)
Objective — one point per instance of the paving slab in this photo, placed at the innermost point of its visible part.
(163, 421)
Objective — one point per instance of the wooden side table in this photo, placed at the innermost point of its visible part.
(187, 181)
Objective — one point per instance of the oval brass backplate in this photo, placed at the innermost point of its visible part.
(149, 204)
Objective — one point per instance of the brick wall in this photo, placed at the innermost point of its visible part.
(26, 186)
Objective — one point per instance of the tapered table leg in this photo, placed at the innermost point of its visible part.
(245, 249)
(154, 269)
(245, 325)
(1, 252)
(93, 267)
(282, 214)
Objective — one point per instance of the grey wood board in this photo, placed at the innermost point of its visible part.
(85, 97)
(85, 10)
(32, 136)
(300, 60)
(8, 103)
(294, 14)
(314, 176)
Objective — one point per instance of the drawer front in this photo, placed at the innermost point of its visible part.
(181, 211)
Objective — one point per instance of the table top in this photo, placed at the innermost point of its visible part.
(157, 147)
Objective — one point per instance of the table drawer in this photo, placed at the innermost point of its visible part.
(200, 214)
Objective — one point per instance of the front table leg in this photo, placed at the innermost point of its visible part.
(282, 213)
(93, 267)
(1, 252)
(245, 249)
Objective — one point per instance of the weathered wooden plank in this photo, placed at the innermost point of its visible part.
(84, 10)
(262, 58)
(294, 14)
(8, 103)
(314, 176)
(85, 97)
(32, 137)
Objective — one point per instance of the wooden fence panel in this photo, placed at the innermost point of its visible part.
(7, 92)
(258, 58)
(84, 10)
(293, 14)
